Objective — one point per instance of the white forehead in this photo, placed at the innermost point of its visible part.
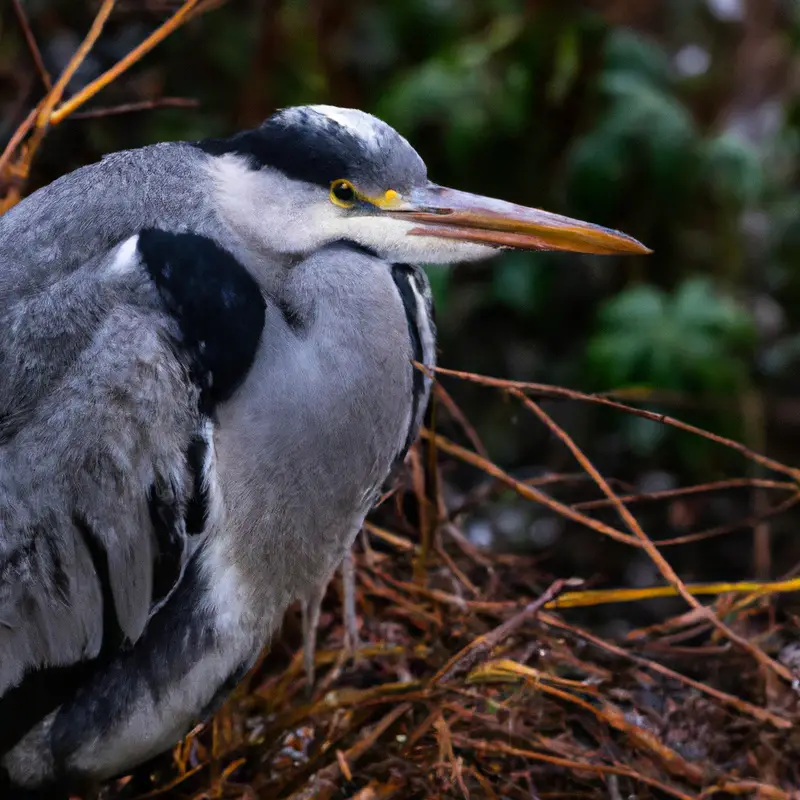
(361, 124)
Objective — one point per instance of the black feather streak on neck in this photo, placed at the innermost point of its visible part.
(402, 275)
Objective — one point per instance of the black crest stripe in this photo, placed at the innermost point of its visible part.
(313, 149)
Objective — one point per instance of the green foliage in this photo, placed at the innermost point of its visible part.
(644, 132)
(734, 168)
(693, 340)
(628, 52)
(520, 281)
(439, 276)
(463, 87)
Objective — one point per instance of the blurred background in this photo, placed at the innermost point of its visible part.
(676, 121)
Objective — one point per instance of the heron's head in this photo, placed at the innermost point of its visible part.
(311, 175)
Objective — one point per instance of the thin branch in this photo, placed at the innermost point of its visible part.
(663, 565)
(30, 40)
(144, 105)
(205, 6)
(527, 491)
(481, 648)
(499, 747)
(45, 116)
(545, 390)
(125, 63)
(458, 416)
(762, 714)
(16, 139)
(48, 112)
(39, 117)
(683, 491)
(594, 597)
(721, 530)
(325, 782)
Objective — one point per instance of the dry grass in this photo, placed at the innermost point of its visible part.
(470, 681)
(466, 686)
(462, 687)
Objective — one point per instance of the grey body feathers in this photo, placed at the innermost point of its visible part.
(96, 408)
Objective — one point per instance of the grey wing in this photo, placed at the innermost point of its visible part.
(98, 417)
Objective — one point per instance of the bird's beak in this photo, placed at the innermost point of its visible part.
(451, 214)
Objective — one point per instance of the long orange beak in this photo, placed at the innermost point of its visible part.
(451, 214)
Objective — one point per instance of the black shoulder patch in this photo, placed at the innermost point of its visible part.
(217, 304)
(315, 150)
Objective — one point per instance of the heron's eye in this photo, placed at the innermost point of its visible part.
(343, 194)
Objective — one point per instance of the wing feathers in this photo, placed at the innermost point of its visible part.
(165, 506)
(76, 543)
(108, 377)
(112, 634)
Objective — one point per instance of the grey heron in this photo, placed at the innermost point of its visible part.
(205, 379)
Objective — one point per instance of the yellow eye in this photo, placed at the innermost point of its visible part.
(343, 194)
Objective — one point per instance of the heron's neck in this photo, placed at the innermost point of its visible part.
(306, 443)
